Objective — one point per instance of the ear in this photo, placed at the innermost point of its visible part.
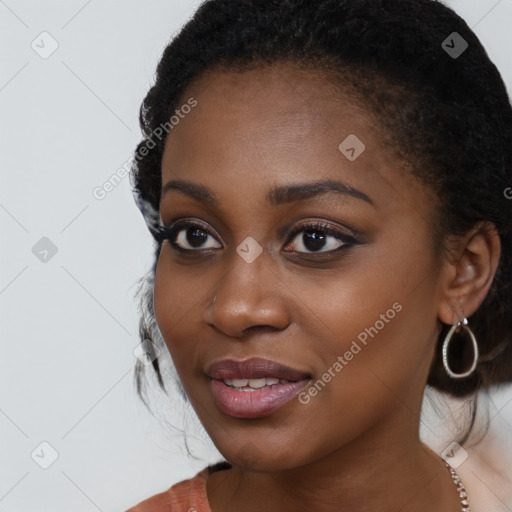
(468, 272)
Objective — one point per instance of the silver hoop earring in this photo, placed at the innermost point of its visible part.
(446, 343)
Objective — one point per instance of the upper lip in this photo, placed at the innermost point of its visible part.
(253, 368)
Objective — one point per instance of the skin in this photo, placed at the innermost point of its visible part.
(356, 443)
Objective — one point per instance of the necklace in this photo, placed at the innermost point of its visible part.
(460, 487)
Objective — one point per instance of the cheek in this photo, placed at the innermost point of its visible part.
(162, 297)
(178, 299)
(373, 326)
(174, 296)
(170, 303)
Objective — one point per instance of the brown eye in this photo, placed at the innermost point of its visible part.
(319, 238)
(189, 236)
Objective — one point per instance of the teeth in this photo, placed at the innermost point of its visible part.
(240, 383)
(252, 384)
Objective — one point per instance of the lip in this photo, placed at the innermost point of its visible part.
(253, 368)
(257, 403)
(260, 402)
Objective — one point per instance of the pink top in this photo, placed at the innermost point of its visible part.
(185, 496)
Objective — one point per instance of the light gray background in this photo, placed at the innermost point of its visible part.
(69, 325)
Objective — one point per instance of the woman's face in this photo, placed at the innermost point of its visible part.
(353, 307)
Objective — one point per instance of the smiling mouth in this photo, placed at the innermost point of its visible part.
(254, 387)
(239, 399)
(255, 384)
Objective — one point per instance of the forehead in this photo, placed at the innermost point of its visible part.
(263, 127)
(271, 108)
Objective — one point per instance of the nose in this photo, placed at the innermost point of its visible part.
(249, 297)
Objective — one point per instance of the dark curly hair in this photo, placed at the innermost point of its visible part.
(447, 117)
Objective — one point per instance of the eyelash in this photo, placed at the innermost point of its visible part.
(169, 233)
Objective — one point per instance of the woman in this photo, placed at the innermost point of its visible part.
(326, 183)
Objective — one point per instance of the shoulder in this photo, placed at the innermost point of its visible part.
(182, 496)
(484, 462)
(487, 471)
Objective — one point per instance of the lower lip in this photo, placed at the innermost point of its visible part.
(253, 404)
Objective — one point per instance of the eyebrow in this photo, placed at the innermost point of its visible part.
(277, 196)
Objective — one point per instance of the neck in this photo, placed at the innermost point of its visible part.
(378, 471)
